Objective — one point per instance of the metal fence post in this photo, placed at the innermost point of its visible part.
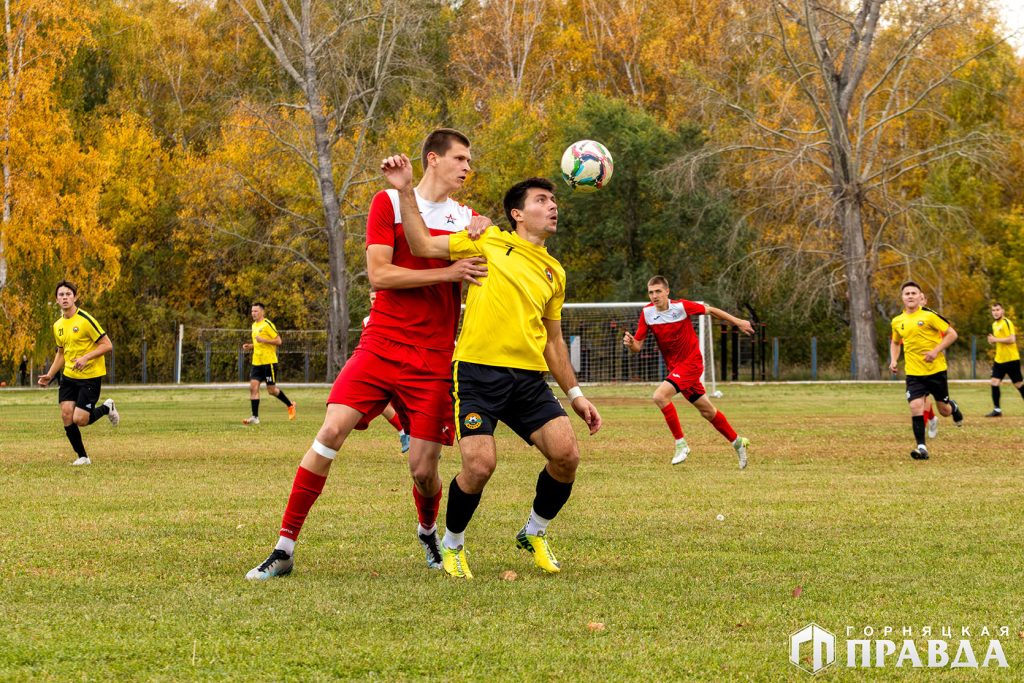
(814, 358)
(853, 364)
(241, 364)
(113, 366)
(775, 357)
(144, 360)
(305, 364)
(974, 357)
(206, 359)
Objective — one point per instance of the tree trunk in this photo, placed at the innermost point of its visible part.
(863, 340)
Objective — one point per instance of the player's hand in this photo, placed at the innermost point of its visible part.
(397, 170)
(586, 410)
(80, 363)
(931, 356)
(477, 225)
(893, 367)
(468, 270)
(745, 327)
(991, 339)
(247, 347)
(44, 380)
(627, 340)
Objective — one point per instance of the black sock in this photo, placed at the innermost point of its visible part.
(283, 399)
(255, 406)
(995, 396)
(98, 412)
(551, 495)
(461, 506)
(918, 421)
(75, 437)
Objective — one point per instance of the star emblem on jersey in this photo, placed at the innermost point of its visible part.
(551, 276)
(450, 219)
(472, 421)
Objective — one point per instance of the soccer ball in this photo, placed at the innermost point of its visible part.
(587, 165)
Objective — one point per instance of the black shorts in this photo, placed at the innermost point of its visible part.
(264, 373)
(485, 394)
(921, 385)
(84, 392)
(1011, 368)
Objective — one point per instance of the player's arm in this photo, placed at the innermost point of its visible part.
(556, 354)
(1012, 339)
(398, 171)
(383, 274)
(895, 348)
(55, 367)
(103, 345)
(630, 341)
(948, 337)
(275, 341)
(744, 325)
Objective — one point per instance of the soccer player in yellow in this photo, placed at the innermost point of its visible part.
(1007, 361)
(923, 335)
(81, 345)
(511, 336)
(265, 341)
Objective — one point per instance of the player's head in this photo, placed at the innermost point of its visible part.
(913, 297)
(531, 203)
(66, 294)
(997, 310)
(657, 290)
(257, 311)
(446, 157)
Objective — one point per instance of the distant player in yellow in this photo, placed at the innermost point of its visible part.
(1007, 361)
(923, 335)
(511, 336)
(81, 345)
(265, 341)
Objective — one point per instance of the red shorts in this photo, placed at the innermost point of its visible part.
(416, 381)
(686, 380)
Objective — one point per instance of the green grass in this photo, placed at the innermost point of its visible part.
(131, 569)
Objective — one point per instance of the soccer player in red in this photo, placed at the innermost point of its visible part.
(669, 321)
(404, 354)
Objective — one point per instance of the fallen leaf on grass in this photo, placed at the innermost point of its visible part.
(798, 591)
(595, 626)
(509, 575)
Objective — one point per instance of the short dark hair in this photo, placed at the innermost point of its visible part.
(996, 303)
(64, 283)
(515, 198)
(910, 283)
(440, 141)
(658, 280)
(260, 304)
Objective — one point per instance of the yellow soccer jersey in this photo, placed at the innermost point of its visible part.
(504, 323)
(920, 332)
(1007, 351)
(263, 354)
(77, 336)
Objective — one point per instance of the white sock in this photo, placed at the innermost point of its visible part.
(425, 531)
(401, 432)
(453, 540)
(286, 544)
(681, 442)
(536, 524)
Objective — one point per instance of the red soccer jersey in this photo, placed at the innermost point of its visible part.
(420, 316)
(673, 330)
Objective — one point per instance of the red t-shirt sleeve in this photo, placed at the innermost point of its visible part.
(380, 223)
(694, 308)
(641, 328)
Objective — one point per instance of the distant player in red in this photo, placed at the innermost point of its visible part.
(404, 354)
(389, 413)
(669, 321)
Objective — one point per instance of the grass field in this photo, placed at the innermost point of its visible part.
(131, 569)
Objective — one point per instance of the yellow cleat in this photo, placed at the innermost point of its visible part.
(454, 561)
(291, 411)
(538, 545)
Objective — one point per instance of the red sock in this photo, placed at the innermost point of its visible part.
(722, 425)
(672, 419)
(928, 414)
(426, 508)
(306, 488)
(395, 422)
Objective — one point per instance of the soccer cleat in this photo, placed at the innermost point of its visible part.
(919, 453)
(958, 417)
(113, 415)
(682, 450)
(81, 461)
(740, 444)
(454, 562)
(538, 545)
(405, 440)
(291, 412)
(432, 548)
(251, 420)
(996, 412)
(933, 427)
(279, 563)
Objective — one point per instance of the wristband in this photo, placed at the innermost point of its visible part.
(574, 393)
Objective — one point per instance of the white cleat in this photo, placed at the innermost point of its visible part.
(279, 563)
(682, 450)
(251, 421)
(113, 415)
(740, 444)
(81, 461)
(933, 427)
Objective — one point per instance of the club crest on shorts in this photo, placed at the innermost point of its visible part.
(551, 276)
(472, 421)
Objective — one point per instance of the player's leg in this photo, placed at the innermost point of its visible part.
(998, 372)
(71, 428)
(938, 386)
(917, 421)
(87, 396)
(255, 377)
(424, 459)
(695, 395)
(931, 420)
(392, 417)
(277, 393)
(663, 399)
(479, 458)
(1016, 377)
